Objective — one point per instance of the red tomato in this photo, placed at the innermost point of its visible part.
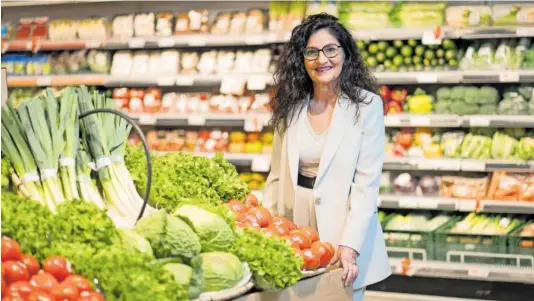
(38, 295)
(10, 249)
(65, 291)
(15, 271)
(251, 201)
(237, 206)
(43, 281)
(4, 286)
(248, 218)
(292, 225)
(31, 264)
(253, 226)
(19, 288)
(325, 255)
(301, 238)
(291, 242)
(81, 283)
(299, 253)
(263, 215)
(278, 220)
(311, 260)
(282, 229)
(58, 266)
(311, 233)
(91, 296)
(330, 247)
(269, 232)
(12, 298)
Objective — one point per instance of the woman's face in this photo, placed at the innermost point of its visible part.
(326, 67)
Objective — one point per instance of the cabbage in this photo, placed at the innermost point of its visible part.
(129, 239)
(169, 236)
(188, 276)
(221, 271)
(214, 233)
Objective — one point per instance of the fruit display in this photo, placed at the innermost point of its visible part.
(410, 55)
(467, 100)
(255, 181)
(201, 103)
(506, 54)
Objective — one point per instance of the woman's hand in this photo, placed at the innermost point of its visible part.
(347, 256)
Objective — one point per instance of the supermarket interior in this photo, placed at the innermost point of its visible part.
(81, 186)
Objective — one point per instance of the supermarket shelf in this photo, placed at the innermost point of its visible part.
(8, 3)
(57, 80)
(452, 204)
(257, 162)
(439, 269)
(401, 163)
(436, 120)
(252, 122)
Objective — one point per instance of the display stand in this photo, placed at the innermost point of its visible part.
(327, 286)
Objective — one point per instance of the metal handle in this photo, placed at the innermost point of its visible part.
(145, 146)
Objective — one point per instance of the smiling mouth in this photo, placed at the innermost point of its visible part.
(325, 68)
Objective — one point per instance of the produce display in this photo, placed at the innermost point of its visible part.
(255, 181)
(501, 55)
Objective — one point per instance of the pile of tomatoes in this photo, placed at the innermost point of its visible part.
(304, 240)
(23, 278)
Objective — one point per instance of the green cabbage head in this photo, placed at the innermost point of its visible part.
(221, 271)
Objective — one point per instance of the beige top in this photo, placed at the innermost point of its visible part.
(311, 147)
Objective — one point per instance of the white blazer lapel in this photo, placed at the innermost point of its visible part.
(292, 146)
(341, 121)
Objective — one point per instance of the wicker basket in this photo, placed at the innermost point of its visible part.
(309, 274)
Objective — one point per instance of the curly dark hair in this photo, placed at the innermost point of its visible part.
(292, 83)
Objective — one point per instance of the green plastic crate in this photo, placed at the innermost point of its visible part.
(521, 246)
(445, 242)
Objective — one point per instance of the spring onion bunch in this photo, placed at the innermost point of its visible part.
(67, 162)
(86, 186)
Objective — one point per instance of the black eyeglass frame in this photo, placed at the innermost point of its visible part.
(321, 50)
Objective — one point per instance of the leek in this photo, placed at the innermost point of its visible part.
(67, 163)
(87, 188)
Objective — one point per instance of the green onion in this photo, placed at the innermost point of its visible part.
(67, 166)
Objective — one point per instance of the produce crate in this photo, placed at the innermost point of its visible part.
(494, 244)
(521, 245)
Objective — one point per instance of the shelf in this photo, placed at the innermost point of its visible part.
(445, 164)
(251, 122)
(258, 162)
(439, 269)
(449, 121)
(57, 80)
(452, 204)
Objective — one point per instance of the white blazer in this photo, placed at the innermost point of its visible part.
(347, 184)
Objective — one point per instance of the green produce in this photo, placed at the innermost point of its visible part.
(412, 43)
(371, 62)
(485, 225)
(443, 93)
(78, 254)
(380, 57)
(221, 271)
(525, 148)
(26, 221)
(419, 50)
(526, 91)
(416, 222)
(513, 104)
(471, 94)
(488, 95)
(178, 176)
(451, 144)
(382, 45)
(430, 54)
(169, 236)
(406, 51)
(457, 93)
(488, 109)
(476, 147)
(129, 239)
(373, 48)
(398, 44)
(214, 232)
(503, 146)
(7, 170)
(271, 260)
(189, 276)
(488, 132)
(391, 52)
(516, 133)
(417, 60)
(398, 60)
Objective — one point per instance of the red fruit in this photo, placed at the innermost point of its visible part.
(81, 283)
(43, 281)
(15, 271)
(277, 220)
(269, 232)
(300, 254)
(10, 249)
(58, 266)
(19, 288)
(4, 286)
(325, 254)
(291, 242)
(31, 264)
(12, 298)
(292, 225)
(237, 206)
(281, 229)
(311, 233)
(252, 201)
(263, 215)
(65, 291)
(40, 296)
(301, 238)
(91, 296)
(311, 260)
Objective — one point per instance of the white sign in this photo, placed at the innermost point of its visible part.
(147, 119)
(509, 77)
(197, 120)
(261, 163)
(136, 43)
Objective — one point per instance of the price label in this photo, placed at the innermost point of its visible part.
(261, 163)
(44, 81)
(478, 273)
(525, 31)
(147, 119)
(432, 37)
(427, 78)
(408, 202)
(419, 120)
(196, 120)
(254, 40)
(392, 120)
(198, 41)
(479, 121)
(136, 43)
(509, 77)
(166, 42)
(184, 80)
(256, 83)
(93, 44)
(254, 124)
(467, 206)
(166, 81)
(473, 165)
(428, 203)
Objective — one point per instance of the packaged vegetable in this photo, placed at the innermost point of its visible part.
(404, 183)
(503, 146)
(198, 21)
(182, 23)
(63, 30)
(255, 21)
(468, 16)
(122, 63)
(189, 61)
(123, 27)
(513, 14)
(463, 187)
(164, 24)
(93, 29)
(429, 185)
(525, 148)
(222, 23)
(451, 143)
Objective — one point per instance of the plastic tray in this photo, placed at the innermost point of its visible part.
(518, 245)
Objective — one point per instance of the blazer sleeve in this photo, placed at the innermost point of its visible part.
(270, 192)
(366, 183)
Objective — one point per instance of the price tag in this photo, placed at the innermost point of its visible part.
(253, 124)
(196, 120)
(136, 43)
(473, 165)
(147, 119)
(392, 120)
(166, 42)
(256, 83)
(525, 31)
(166, 81)
(467, 206)
(509, 77)
(419, 120)
(44, 81)
(478, 273)
(93, 44)
(479, 121)
(427, 78)
(184, 80)
(198, 41)
(261, 163)
(408, 202)
(432, 37)
(254, 40)
(428, 203)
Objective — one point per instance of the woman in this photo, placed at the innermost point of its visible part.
(328, 149)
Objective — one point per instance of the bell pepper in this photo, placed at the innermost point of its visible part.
(393, 107)
(399, 95)
(385, 93)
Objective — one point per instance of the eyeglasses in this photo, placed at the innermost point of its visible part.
(330, 51)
